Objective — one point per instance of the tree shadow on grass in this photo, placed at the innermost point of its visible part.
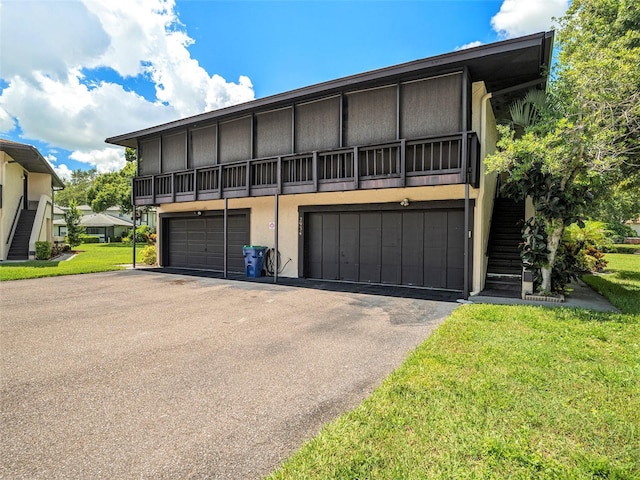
(628, 275)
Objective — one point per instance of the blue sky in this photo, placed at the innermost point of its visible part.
(73, 72)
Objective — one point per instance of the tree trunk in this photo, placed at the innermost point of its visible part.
(555, 229)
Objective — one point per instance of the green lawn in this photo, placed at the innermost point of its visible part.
(92, 257)
(622, 285)
(501, 392)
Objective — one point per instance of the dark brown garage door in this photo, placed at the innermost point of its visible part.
(198, 241)
(419, 247)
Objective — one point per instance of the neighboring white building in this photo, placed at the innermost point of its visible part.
(27, 182)
(108, 225)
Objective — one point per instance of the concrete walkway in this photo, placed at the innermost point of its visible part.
(134, 374)
(581, 296)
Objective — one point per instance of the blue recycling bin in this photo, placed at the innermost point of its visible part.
(253, 260)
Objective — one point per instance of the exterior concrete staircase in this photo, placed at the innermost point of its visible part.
(504, 270)
(19, 249)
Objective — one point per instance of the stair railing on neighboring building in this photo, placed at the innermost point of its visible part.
(15, 220)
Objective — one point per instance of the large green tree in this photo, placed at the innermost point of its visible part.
(620, 203)
(114, 188)
(584, 136)
(76, 188)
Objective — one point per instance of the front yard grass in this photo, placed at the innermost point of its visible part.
(622, 285)
(93, 257)
(501, 392)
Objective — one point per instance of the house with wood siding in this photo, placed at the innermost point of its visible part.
(374, 178)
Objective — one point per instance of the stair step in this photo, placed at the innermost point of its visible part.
(506, 281)
(505, 261)
(503, 288)
(504, 247)
(19, 249)
(509, 232)
(510, 287)
(504, 268)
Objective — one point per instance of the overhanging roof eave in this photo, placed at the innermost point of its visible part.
(31, 160)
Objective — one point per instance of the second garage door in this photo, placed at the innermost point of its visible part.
(198, 241)
(419, 247)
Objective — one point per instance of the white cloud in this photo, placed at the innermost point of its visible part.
(61, 170)
(523, 17)
(7, 123)
(53, 36)
(73, 116)
(49, 98)
(477, 43)
(107, 159)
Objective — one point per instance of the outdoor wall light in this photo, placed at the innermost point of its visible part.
(405, 202)
(198, 213)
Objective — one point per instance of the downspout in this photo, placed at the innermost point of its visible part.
(465, 164)
(224, 235)
(135, 214)
(275, 233)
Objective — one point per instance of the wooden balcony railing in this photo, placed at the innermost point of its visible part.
(426, 161)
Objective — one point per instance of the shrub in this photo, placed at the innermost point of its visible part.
(624, 248)
(151, 238)
(60, 248)
(619, 230)
(587, 245)
(89, 239)
(148, 254)
(43, 250)
(142, 233)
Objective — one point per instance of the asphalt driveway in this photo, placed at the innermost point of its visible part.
(135, 374)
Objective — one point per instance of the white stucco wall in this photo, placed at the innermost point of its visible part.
(39, 184)
(12, 186)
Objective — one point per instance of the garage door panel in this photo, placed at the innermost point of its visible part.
(331, 246)
(314, 245)
(349, 247)
(237, 237)
(370, 247)
(435, 250)
(455, 252)
(391, 248)
(412, 248)
(416, 247)
(198, 242)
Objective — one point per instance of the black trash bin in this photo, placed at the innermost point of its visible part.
(254, 260)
